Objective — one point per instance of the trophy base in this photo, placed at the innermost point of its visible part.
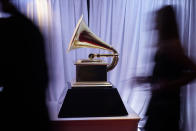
(92, 102)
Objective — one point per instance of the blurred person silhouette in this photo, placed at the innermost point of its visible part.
(23, 73)
(172, 70)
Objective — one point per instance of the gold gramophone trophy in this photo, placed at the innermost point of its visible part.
(91, 72)
(91, 95)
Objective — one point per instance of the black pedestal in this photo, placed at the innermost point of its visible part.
(92, 102)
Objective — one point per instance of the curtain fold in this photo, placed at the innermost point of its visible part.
(127, 25)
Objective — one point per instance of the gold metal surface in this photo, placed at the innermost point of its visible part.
(91, 84)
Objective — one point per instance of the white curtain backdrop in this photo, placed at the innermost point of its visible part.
(127, 25)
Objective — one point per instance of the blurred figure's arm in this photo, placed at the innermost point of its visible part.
(177, 55)
(142, 79)
(186, 78)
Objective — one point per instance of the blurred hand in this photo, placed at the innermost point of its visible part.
(142, 79)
